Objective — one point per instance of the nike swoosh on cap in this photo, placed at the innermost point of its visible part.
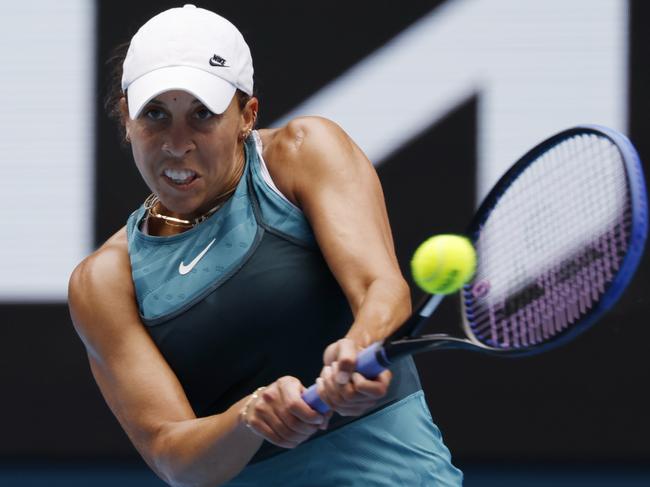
(218, 61)
(184, 269)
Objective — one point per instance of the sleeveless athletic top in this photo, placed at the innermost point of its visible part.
(243, 298)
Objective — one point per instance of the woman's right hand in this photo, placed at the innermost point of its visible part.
(279, 415)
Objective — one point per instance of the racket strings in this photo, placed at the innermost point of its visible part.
(526, 213)
(551, 245)
(546, 308)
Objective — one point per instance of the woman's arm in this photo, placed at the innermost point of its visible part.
(144, 393)
(337, 188)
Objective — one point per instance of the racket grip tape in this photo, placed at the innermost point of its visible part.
(371, 362)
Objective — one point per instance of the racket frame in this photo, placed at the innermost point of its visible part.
(405, 340)
(636, 241)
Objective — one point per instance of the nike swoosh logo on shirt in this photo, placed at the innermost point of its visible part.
(184, 269)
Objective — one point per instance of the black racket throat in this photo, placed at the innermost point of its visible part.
(414, 324)
(404, 341)
(394, 350)
(409, 328)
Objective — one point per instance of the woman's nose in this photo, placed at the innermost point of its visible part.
(178, 140)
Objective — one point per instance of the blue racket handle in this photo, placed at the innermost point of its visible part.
(368, 365)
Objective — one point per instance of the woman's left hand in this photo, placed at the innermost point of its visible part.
(345, 391)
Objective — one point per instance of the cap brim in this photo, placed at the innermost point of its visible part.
(214, 92)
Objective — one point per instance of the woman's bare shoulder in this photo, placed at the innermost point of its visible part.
(108, 263)
(288, 150)
(101, 282)
(298, 134)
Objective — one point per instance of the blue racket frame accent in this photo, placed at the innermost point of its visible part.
(637, 239)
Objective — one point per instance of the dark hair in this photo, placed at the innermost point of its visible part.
(115, 93)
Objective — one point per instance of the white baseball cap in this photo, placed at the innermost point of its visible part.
(189, 49)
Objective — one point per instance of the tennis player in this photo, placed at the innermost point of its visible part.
(262, 260)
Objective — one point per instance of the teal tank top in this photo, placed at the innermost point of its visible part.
(243, 298)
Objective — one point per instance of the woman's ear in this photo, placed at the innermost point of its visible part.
(124, 114)
(124, 109)
(250, 113)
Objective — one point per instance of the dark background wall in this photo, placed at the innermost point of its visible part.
(584, 402)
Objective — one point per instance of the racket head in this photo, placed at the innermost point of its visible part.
(575, 277)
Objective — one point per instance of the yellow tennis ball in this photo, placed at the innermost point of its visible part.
(443, 263)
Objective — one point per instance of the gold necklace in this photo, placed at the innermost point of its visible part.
(152, 201)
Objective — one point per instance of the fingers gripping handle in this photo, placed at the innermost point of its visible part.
(310, 396)
(369, 364)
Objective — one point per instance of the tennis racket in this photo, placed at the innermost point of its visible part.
(557, 240)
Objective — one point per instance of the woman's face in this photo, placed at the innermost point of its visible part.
(186, 154)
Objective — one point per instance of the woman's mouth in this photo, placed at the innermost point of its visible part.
(180, 177)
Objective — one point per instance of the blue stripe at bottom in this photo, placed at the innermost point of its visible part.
(503, 474)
